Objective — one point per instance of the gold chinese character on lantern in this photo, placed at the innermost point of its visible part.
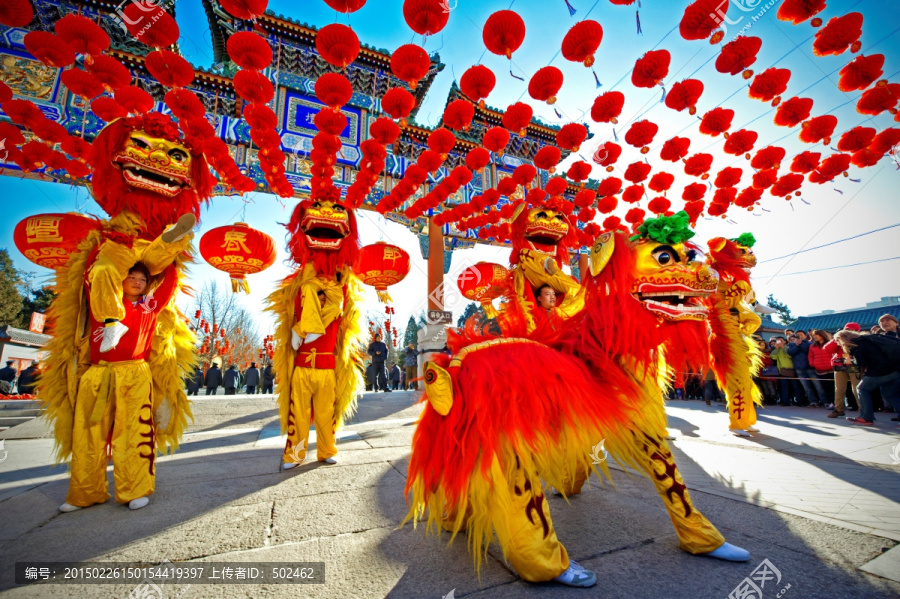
(43, 229)
(234, 241)
(391, 253)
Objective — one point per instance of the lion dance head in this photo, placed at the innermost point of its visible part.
(143, 165)
(733, 258)
(543, 227)
(323, 231)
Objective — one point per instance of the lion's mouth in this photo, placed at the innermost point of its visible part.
(144, 177)
(325, 233)
(674, 301)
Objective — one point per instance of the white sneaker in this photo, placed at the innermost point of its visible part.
(730, 553)
(289, 465)
(112, 334)
(331, 460)
(737, 432)
(576, 576)
(181, 228)
(136, 504)
(68, 507)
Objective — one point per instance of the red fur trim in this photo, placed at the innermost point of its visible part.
(325, 262)
(115, 196)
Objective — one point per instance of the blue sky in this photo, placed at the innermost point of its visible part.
(830, 212)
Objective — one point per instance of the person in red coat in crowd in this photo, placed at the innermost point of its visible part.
(766, 384)
(845, 371)
(820, 361)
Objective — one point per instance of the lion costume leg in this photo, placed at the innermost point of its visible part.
(525, 530)
(113, 407)
(312, 398)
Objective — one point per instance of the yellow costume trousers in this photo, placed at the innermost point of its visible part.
(525, 530)
(111, 268)
(113, 406)
(312, 390)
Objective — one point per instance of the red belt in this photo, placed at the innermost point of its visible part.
(313, 359)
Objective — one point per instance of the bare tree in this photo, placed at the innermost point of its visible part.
(226, 330)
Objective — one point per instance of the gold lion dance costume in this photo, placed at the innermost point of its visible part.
(485, 444)
(319, 327)
(734, 356)
(128, 398)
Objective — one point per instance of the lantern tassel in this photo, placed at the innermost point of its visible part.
(239, 283)
(571, 8)
(383, 296)
(615, 135)
(597, 79)
(663, 99)
(559, 116)
(637, 16)
(511, 73)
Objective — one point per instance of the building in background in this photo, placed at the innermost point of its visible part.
(867, 317)
(21, 346)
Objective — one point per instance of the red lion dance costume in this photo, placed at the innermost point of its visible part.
(485, 444)
(128, 401)
(735, 357)
(319, 326)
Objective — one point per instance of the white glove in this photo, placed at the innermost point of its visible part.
(312, 337)
(296, 340)
(550, 266)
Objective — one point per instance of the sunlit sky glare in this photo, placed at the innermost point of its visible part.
(837, 210)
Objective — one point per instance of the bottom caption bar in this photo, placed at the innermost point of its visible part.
(170, 573)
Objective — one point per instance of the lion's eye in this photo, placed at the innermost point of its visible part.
(140, 143)
(178, 156)
(338, 208)
(316, 205)
(541, 215)
(559, 217)
(663, 257)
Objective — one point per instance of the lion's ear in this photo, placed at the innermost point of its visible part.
(601, 252)
(438, 388)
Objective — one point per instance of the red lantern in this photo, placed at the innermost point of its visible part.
(545, 84)
(806, 162)
(346, 6)
(765, 178)
(701, 18)
(238, 250)
(81, 83)
(839, 34)
(398, 103)
(49, 49)
(134, 100)
(675, 149)
(503, 33)
(334, 90)
(49, 239)
(633, 194)
(738, 55)
(172, 70)
(482, 283)
(607, 154)
(337, 44)
(381, 265)
(16, 13)
(769, 85)
(786, 185)
(818, 129)
(641, 134)
(570, 136)
(661, 182)
(477, 83)
(253, 86)
(797, 11)
(517, 117)
(495, 139)
(861, 72)
(459, 114)
(150, 23)
(410, 63)
(693, 192)
(245, 9)
(768, 157)
(651, 68)
(426, 17)
(883, 96)
(740, 142)
(659, 205)
(716, 121)
(249, 50)
(607, 107)
(581, 42)
(698, 165)
(885, 140)
(748, 197)
(728, 177)
(685, 94)
(637, 172)
(792, 112)
(579, 171)
(547, 158)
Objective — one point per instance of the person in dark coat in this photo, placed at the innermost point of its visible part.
(252, 379)
(232, 380)
(379, 352)
(878, 358)
(213, 379)
(395, 376)
(370, 376)
(268, 379)
(7, 376)
(26, 379)
(194, 382)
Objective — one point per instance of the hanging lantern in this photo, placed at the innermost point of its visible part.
(84, 35)
(49, 239)
(49, 49)
(134, 100)
(16, 13)
(346, 6)
(839, 34)
(410, 63)
(607, 107)
(861, 72)
(806, 162)
(769, 85)
(716, 121)
(607, 154)
(245, 9)
(797, 11)
(701, 18)
(337, 44)
(738, 55)
(483, 282)
(651, 68)
(398, 103)
(792, 112)
(571, 136)
(517, 117)
(459, 114)
(249, 50)
(477, 83)
(685, 94)
(238, 250)
(768, 157)
(504, 32)
(426, 17)
(150, 23)
(641, 134)
(545, 84)
(740, 142)
(382, 265)
(818, 129)
(581, 42)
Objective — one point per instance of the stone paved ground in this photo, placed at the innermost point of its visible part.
(818, 498)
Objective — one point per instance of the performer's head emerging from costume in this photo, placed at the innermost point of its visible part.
(323, 230)
(143, 165)
(136, 283)
(546, 296)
